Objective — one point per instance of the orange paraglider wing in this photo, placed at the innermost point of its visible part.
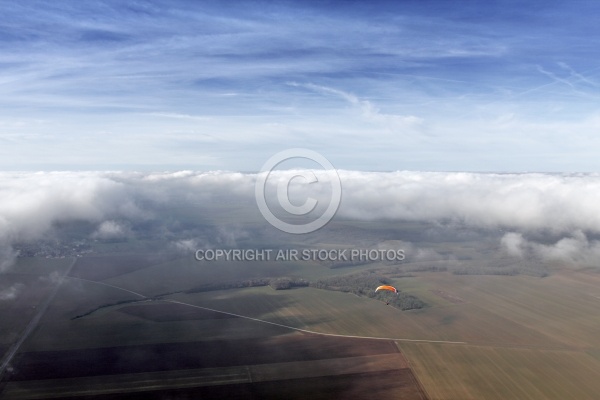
(387, 287)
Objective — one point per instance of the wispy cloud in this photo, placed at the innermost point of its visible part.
(579, 77)
(367, 109)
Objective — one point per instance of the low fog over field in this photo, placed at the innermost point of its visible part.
(544, 216)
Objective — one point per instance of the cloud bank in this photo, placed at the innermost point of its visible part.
(557, 203)
(32, 205)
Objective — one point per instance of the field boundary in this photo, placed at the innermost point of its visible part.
(315, 332)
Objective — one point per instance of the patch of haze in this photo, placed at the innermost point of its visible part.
(54, 278)
(11, 293)
(112, 230)
(575, 249)
(8, 255)
(222, 237)
(186, 245)
(412, 251)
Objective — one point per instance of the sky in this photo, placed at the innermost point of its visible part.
(503, 86)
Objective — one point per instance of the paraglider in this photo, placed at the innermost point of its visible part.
(389, 288)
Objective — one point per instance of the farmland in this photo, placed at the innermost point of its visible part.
(498, 372)
(480, 336)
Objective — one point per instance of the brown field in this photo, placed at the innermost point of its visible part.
(393, 384)
(194, 355)
(389, 384)
(295, 365)
(448, 296)
(488, 372)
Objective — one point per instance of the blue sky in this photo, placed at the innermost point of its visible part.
(377, 86)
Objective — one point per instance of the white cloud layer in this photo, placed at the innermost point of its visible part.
(31, 204)
(557, 203)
